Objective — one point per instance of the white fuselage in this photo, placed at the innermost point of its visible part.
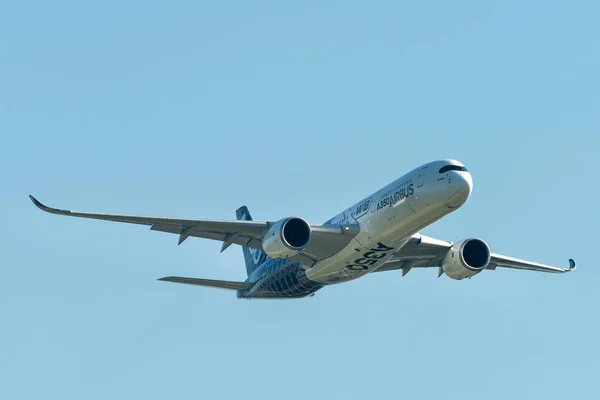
(389, 217)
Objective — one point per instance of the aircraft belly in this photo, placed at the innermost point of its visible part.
(281, 279)
(382, 234)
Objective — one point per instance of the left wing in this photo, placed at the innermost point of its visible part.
(423, 251)
(326, 239)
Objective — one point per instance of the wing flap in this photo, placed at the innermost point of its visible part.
(241, 239)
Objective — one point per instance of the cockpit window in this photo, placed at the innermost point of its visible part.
(447, 168)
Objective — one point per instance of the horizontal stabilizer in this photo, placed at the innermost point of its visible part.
(207, 282)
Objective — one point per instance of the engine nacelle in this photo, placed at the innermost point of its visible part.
(287, 237)
(466, 258)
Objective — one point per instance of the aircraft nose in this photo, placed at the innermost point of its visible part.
(461, 184)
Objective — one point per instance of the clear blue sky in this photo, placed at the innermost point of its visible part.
(195, 108)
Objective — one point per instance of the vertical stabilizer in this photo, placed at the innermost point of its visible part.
(253, 257)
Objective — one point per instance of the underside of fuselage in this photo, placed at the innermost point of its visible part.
(280, 279)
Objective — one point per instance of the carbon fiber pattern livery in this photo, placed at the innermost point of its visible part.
(280, 279)
(254, 257)
(273, 278)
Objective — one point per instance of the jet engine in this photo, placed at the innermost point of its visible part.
(287, 237)
(466, 258)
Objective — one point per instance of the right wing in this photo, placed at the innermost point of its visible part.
(426, 252)
(326, 239)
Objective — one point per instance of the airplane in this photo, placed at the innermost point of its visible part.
(290, 258)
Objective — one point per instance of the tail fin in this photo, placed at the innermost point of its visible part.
(253, 257)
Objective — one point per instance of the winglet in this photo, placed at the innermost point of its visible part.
(44, 207)
(38, 204)
(50, 210)
(572, 264)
